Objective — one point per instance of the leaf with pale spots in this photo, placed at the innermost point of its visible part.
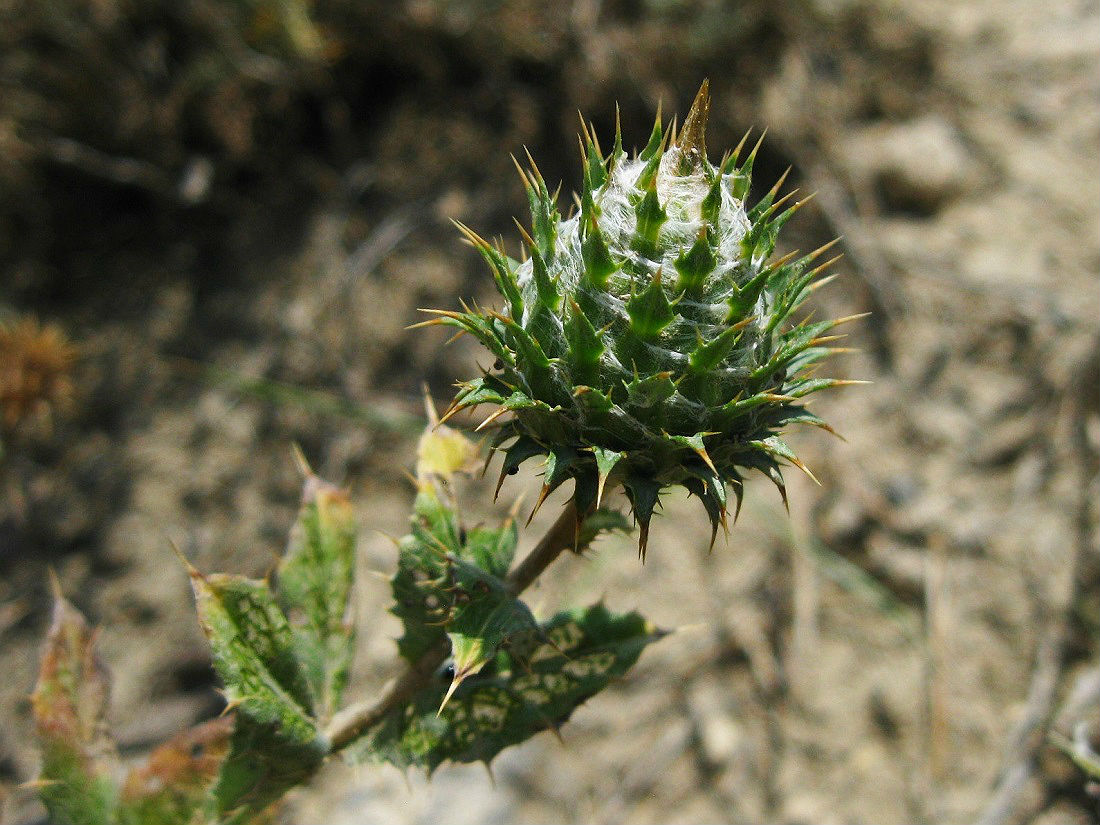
(532, 685)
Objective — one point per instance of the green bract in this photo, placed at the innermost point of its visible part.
(647, 340)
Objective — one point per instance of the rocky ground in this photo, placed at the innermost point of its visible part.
(896, 651)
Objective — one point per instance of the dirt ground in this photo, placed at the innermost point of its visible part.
(897, 650)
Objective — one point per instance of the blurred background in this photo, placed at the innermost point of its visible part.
(217, 218)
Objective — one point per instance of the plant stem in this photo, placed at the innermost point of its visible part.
(350, 723)
(561, 536)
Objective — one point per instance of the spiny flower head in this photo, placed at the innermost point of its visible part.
(647, 340)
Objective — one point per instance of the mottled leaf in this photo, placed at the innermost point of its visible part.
(529, 687)
(69, 705)
(424, 584)
(314, 588)
(420, 597)
(276, 743)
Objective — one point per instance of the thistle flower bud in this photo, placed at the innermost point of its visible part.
(647, 341)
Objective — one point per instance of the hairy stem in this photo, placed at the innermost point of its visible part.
(350, 723)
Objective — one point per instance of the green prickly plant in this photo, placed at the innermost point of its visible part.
(647, 340)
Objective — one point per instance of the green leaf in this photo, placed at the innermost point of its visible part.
(743, 299)
(314, 588)
(598, 263)
(711, 207)
(545, 288)
(492, 549)
(529, 688)
(649, 310)
(69, 704)
(276, 744)
(651, 390)
(644, 494)
(653, 146)
(585, 346)
(514, 456)
(484, 390)
(544, 212)
(434, 520)
(709, 354)
(651, 217)
(424, 586)
(504, 272)
(606, 460)
(420, 597)
(485, 615)
(695, 264)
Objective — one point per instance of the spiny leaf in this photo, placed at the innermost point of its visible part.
(605, 462)
(598, 263)
(656, 137)
(502, 268)
(742, 300)
(742, 179)
(424, 585)
(544, 286)
(649, 310)
(644, 494)
(710, 354)
(544, 213)
(420, 597)
(516, 454)
(486, 614)
(602, 521)
(276, 744)
(434, 522)
(646, 392)
(531, 687)
(695, 264)
(492, 549)
(585, 346)
(651, 217)
(712, 203)
(484, 390)
(696, 445)
(69, 704)
(558, 465)
(314, 589)
(595, 170)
